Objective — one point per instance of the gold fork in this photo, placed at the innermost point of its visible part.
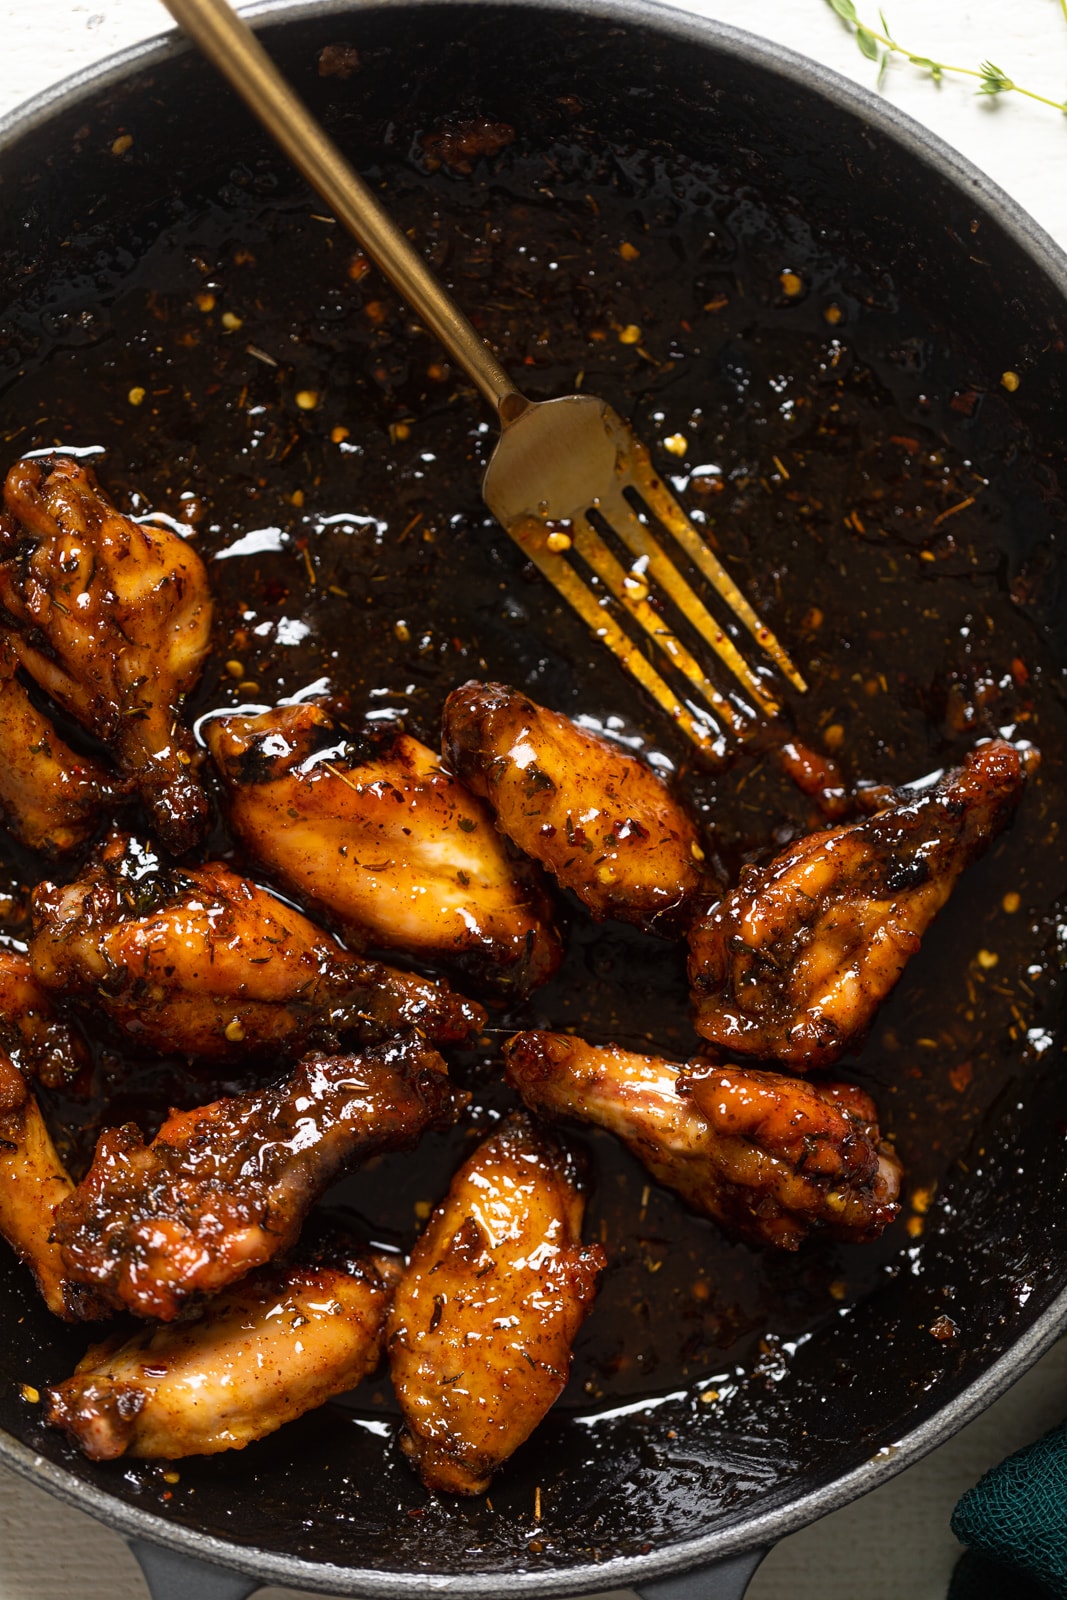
(566, 472)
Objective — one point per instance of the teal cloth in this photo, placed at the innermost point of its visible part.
(1014, 1524)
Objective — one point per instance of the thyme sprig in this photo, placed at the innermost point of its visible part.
(879, 44)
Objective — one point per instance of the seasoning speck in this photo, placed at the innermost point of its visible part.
(833, 314)
(422, 1209)
(677, 444)
(987, 960)
(136, 395)
(123, 143)
(628, 251)
(234, 1031)
(231, 321)
(709, 1397)
(205, 301)
(944, 1328)
(1011, 902)
(172, 1477)
(307, 399)
(630, 334)
(792, 284)
(559, 541)
(402, 631)
(235, 668)
(28, 1392)
(1010, 380)
(338, 435)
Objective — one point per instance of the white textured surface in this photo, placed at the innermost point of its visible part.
(897, 1541)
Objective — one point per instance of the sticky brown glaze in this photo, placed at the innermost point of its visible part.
(484, 1318)
(224, 1188)
(389, 843)
(595, 816)
(794, 962)
(113, 622)
(33, 1181)
(40, 1042)
(770, 1158)
(267, 1350)
(200, 960)
(51, 798)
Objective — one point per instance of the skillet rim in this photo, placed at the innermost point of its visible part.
(753, 1532)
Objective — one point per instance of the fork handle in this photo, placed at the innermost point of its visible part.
(231, 46)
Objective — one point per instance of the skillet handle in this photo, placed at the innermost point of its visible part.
(726, 1580)
(171, 1576)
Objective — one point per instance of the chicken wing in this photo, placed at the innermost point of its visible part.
(595, 816)
(202, 961)
(40, 1043)
(51, 798)
(480, 1334)
(113, 622)
(794, 962)
(33, 1181)
(770, 1158)
(272, 1347)
(387, 841)
(224, 1188)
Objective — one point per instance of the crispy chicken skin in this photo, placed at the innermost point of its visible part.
(595, 816)
(770, 1158)
(388, 842)
(480, 1334)
(33, 1181)
(794, 962)
(224, 1188)
(113, 622)
(200, 960)
(50, 797)
(265, 1351)
(40, 1043)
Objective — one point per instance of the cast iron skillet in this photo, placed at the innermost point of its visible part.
(675, 1494)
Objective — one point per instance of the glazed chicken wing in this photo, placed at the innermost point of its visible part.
(386, 840)
(481, 1330)
(33, 1181)
(270, 1348)
(770, 1158)
(51, 798)
(113, 622)
(202, 961)
(225, 1188)
(40, 1043)
(595, 816)
(793, 964)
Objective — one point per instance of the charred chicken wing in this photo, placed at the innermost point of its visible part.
(270, 1348)
(771, 1158)
(32, 1033)
(595, 816)
(33, 1181)
(481, 1330)
(794, 962)
(113, 622)
(201, 960)
(387, 841)
(225, 1188)
(50, 797)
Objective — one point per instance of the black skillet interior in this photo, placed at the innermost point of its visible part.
(892, 508)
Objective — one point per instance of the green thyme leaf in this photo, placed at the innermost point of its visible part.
(867, 42)
(845, 9)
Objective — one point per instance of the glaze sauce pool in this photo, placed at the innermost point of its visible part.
(248, 375)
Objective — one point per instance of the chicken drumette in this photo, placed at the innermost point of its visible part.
(771, 1158)
(51, 798)
(481, 1330)
(224, 1188)
(272, 1347)
(595, 816)
(792, 965)
(33, 1181)
(388, 842)
(200, 960)
(113, 622)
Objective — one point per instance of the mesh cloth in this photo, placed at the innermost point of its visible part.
(1017, 1517)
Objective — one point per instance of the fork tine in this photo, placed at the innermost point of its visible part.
(531, 535)
(623, 519)
(663, 505)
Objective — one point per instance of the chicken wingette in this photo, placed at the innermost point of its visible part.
(202, 961)
(377, 833)
(265, 1351)
(113, 620)
(33, 1181)
(793, 963)
(51, 798)
(225, 1188)
(771, 1158)
(480, 1334)
(41, 1043)
(594, 815)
